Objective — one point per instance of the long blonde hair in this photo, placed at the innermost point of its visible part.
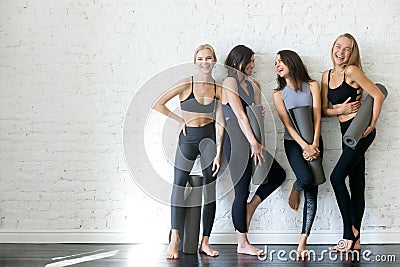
(204, 46)
(355, 58)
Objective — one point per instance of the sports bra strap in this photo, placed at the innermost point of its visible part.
(215, 89)
(329, 77)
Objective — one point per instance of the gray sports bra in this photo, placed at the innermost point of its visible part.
(294, 99)
(191, 104)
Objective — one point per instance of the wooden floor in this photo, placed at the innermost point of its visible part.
(130, 255)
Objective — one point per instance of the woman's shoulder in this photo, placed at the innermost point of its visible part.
(326, 72)
(186, 80)
(313, 83)
(230, 79)
(351, 69)
(277, 93)
(230, 82)
(325, 75)
(314, 87)
(183, 84)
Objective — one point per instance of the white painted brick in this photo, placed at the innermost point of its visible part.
(69, 70)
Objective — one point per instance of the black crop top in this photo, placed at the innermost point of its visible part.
(190, 104)
(342, 92)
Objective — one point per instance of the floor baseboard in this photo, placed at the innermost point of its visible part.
(216, 238)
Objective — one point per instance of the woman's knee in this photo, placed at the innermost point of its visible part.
(278, 173)
(181, 178)
(241, 196)
(336, 178)
(305, 180)
(281, 175)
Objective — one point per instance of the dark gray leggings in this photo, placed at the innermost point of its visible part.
(198, 141)
(351, 163)
(236, 152)
(304, 181)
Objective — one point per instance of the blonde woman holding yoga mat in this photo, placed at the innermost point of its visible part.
(343, 86)
(201, 119)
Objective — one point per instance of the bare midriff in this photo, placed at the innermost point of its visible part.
(346, 117)
(194, 119)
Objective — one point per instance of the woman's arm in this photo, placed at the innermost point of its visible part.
(219, 131)
(358, 76)
(316, 97)
(175, 90)
(231, 90)
(257, 92)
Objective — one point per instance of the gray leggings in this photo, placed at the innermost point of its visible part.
(198, 141)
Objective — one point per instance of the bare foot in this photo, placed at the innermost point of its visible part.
(172, 250)
(248, 249)
(344, 245)
(294, 199)
(357, 245)
(302, 254)
(206, 249)
(302, 247)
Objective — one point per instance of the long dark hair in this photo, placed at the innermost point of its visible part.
(297, 70)
(239, 55)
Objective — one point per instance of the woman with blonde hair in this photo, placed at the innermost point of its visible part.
(343, 86)
(201, 119)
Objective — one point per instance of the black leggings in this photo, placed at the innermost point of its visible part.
(304, 181)
(351, 163)
(240, 167)
(198, 141)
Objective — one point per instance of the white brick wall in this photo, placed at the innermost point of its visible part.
(68, 70)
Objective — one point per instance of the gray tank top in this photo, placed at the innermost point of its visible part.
(294, 99)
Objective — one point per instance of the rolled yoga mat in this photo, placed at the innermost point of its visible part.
(192, 216)
(302, 121)
(260, 172)
(362, 120)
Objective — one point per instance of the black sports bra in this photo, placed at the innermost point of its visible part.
(191, 104)
(342, 92)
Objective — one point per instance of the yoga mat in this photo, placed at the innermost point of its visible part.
(192, 216)
(302, 121)
(362, 120)
(254, 113)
